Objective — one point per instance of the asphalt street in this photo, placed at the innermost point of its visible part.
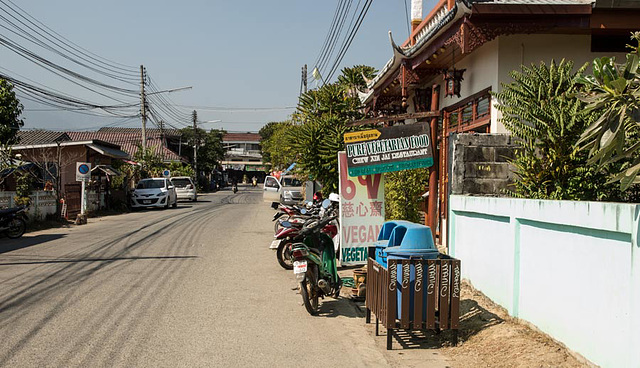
(194, 286)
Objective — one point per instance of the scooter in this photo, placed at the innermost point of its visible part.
(315, 265)
(292, 233)
(13, 221)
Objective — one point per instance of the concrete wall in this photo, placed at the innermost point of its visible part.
(43, 203)
(570, 268)
(479, 163)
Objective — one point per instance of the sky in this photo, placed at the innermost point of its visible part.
(243, 59)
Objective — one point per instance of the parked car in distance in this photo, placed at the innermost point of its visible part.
(185, 188)
(154, 192)
(287, 190)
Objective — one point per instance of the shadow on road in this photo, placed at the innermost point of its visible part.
(8, 245)
(161, 258)
(342, 307)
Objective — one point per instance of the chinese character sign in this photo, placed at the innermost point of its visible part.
(361, 213)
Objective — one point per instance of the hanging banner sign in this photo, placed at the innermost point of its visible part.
(395, 148)
(361, 213)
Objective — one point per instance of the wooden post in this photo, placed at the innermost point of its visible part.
(432, 207)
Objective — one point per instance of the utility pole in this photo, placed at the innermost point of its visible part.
(162, 142)
(194, 115)
(304, 78)
(143, 109)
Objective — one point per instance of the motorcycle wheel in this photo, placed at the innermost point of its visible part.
(277, 226)
(284, 255)
(17, 227)
(309, 294)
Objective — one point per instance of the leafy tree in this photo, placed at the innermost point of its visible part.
(613, 93)
(540, 110)
(320, 122)
(277, 148)
(266, 132)
(353, 79)
(403, 193)
(10, 111)
(24, 188)
(210, 147)
(149, 162)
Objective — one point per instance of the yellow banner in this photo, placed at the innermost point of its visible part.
(365, 135)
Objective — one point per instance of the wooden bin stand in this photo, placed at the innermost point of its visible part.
(438, 278)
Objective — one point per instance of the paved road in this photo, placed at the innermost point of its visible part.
(194, 286)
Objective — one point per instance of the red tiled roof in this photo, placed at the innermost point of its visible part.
(129, 142)
(32, 137)
(235, 137)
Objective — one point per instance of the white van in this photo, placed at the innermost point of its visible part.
(287, 190)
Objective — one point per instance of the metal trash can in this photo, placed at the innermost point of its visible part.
(416, 243)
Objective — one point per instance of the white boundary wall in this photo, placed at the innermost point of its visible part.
(43, 203)
(570, 268)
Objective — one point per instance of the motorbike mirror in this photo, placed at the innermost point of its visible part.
(303, 211)
(285, 223)
(326, 203)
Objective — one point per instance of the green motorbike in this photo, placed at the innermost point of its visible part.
(314, 265)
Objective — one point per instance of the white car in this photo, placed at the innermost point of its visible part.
(287, 190)
(155, 192)
(185, 189)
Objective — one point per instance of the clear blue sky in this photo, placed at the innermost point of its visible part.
(234, 53)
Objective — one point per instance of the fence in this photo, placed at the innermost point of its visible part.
(43, 203)
(416, 294)
(570, 268)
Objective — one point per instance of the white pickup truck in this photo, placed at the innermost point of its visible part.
(287, 190)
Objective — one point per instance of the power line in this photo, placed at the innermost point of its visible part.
(131, 71)
(347, 42)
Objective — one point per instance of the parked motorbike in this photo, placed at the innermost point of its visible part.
(13, 221)
(287, 213)
(315, 265)
(235, 188)
(292, 233)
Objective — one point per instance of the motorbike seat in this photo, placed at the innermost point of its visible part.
(9, 210)
(316, 251)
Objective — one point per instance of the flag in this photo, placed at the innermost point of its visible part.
(316, 74)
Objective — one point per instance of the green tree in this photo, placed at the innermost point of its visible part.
(540, 110)
(354, 79)
(277, 149)
(320, 122)
(10, 111)
(210, 147)
(403, 193)
(265, 134)
(613, 93)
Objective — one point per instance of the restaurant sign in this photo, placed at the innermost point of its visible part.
(395, 148)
